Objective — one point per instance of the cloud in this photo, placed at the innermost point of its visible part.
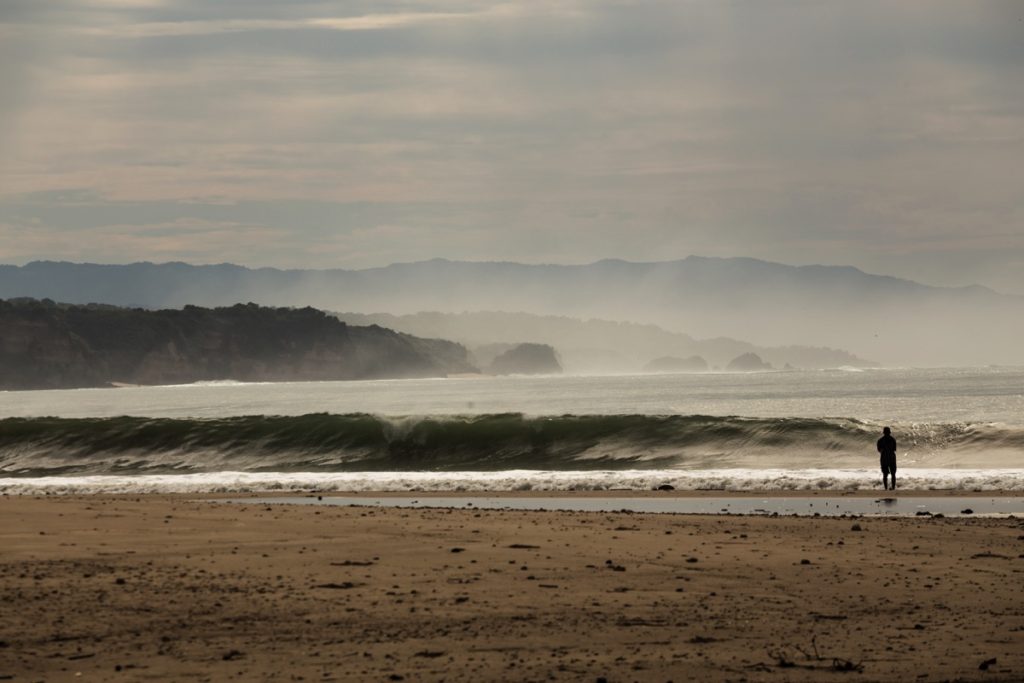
(884, 136)
(177, 240)
(366, 22)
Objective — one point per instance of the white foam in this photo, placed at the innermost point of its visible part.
(520, 480)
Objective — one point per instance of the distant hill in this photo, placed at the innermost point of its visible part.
(594, 346)
(888, 319)
(44, 345)
(526, 359)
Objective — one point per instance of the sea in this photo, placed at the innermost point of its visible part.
(960, 429)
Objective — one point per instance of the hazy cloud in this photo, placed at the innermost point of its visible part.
(882, 135)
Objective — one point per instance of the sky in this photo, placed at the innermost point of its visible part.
(309, 134)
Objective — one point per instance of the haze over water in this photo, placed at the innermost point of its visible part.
(986, 395)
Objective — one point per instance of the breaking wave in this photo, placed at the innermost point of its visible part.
(516, 480)
(329, 443)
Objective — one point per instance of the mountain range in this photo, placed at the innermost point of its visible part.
(882, 318)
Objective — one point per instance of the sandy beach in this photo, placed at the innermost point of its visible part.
(175, 588)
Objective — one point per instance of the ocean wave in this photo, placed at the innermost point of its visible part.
(516, 480)
(321, 442)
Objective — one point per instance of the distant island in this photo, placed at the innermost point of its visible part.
(526, 359)
(46, 345)
(600, 346)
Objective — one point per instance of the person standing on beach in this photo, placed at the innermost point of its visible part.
(887, 449)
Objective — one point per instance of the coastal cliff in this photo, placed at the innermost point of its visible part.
(44, 345)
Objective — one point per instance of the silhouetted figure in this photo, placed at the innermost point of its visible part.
(887, 449)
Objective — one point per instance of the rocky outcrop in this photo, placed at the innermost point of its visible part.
(748, 362)
(674, 364)
(527, 359)
(44, 345)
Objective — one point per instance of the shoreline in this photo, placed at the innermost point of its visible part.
(634, 493)
(806, 506)
(174, 587)
(536, 493)
(777, 481)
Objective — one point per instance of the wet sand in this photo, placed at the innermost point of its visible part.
(173, 588)
(815, 506)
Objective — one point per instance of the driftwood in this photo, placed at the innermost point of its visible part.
(811, 659)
